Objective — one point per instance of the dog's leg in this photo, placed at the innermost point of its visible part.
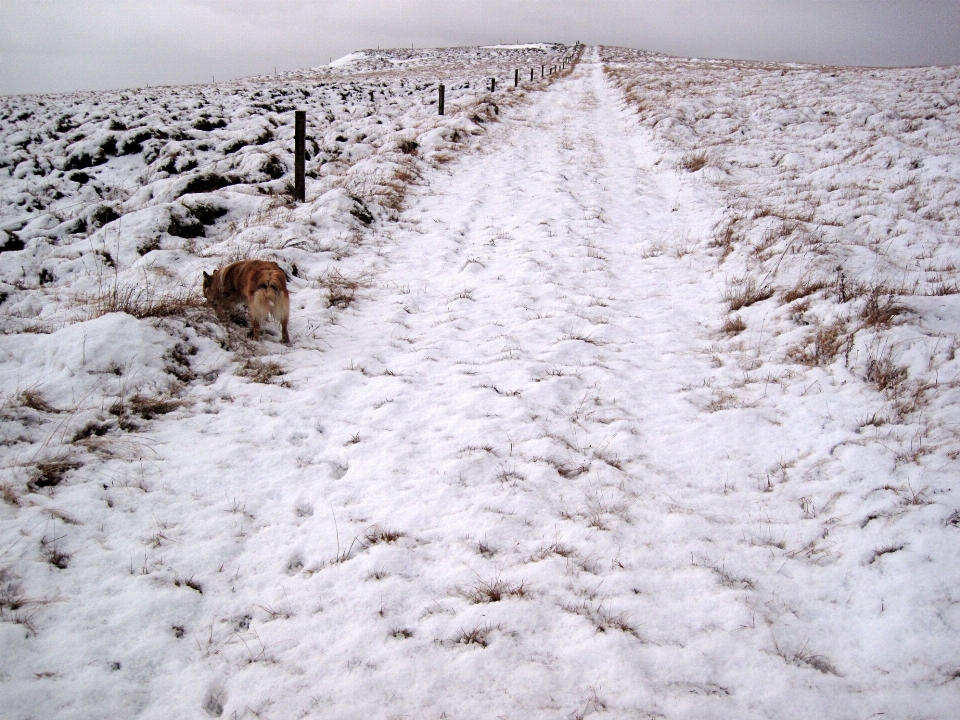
(281, 312)
(258, 311)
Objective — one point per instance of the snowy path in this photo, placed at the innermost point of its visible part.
(517, 399)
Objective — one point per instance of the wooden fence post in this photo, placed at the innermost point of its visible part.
(531, 74)
(299, 153)
(440, 99)
(493, 84)
(516, 77)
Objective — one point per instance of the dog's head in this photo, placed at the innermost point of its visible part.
(208, 289)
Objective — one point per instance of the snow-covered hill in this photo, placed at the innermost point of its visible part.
(629, 392)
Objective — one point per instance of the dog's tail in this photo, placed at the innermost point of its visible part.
(271, 299)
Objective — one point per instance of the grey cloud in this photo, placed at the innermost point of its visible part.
(53, 45)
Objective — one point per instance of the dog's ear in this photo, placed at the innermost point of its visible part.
(207, 277)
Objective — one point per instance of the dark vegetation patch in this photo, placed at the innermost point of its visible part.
(50, 473)
(360, 211)
(188, 583)
(35, 400)
(265, 136)
(408, 146)
(54, 554)
(91, 429)
(133, 142)
(207, 182)
(82, 160)
(145, 406)
(273, 167)
(206, 213)
(12, 242)
(184, 225)
(102, 215)
(206, 124)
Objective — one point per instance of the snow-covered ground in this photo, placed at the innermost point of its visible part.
(579, 416)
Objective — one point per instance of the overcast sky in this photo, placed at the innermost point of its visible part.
(55, 45)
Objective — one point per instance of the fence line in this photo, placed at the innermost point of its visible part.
(300, 121)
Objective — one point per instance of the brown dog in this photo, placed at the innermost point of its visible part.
(261, 284)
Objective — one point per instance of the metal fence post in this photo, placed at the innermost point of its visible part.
(299, 152)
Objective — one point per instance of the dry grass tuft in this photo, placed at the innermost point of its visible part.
(726, 578)
(53, 554)
(478, 635)
(804, 288)
(876, 419)
(9, 495)
(734, 325)
(803, 658)
(378, 534)
(408, 146)
(188, 583)
(145, 406)
(886, 550)
(603, 620)
(35, 400)
(822, 346)
(260, 371)
(140, 302)
(726, 238)
(16, 606)
(653, 250)
(691, 162)
(569, 468)
(341, 289)
(886, 375)
(91, 430)
(556, 548)
(743, 292)
(50, 473)
(485, 549)
(593, 704)
(492, 591)
(945, 288)
(880, 310)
